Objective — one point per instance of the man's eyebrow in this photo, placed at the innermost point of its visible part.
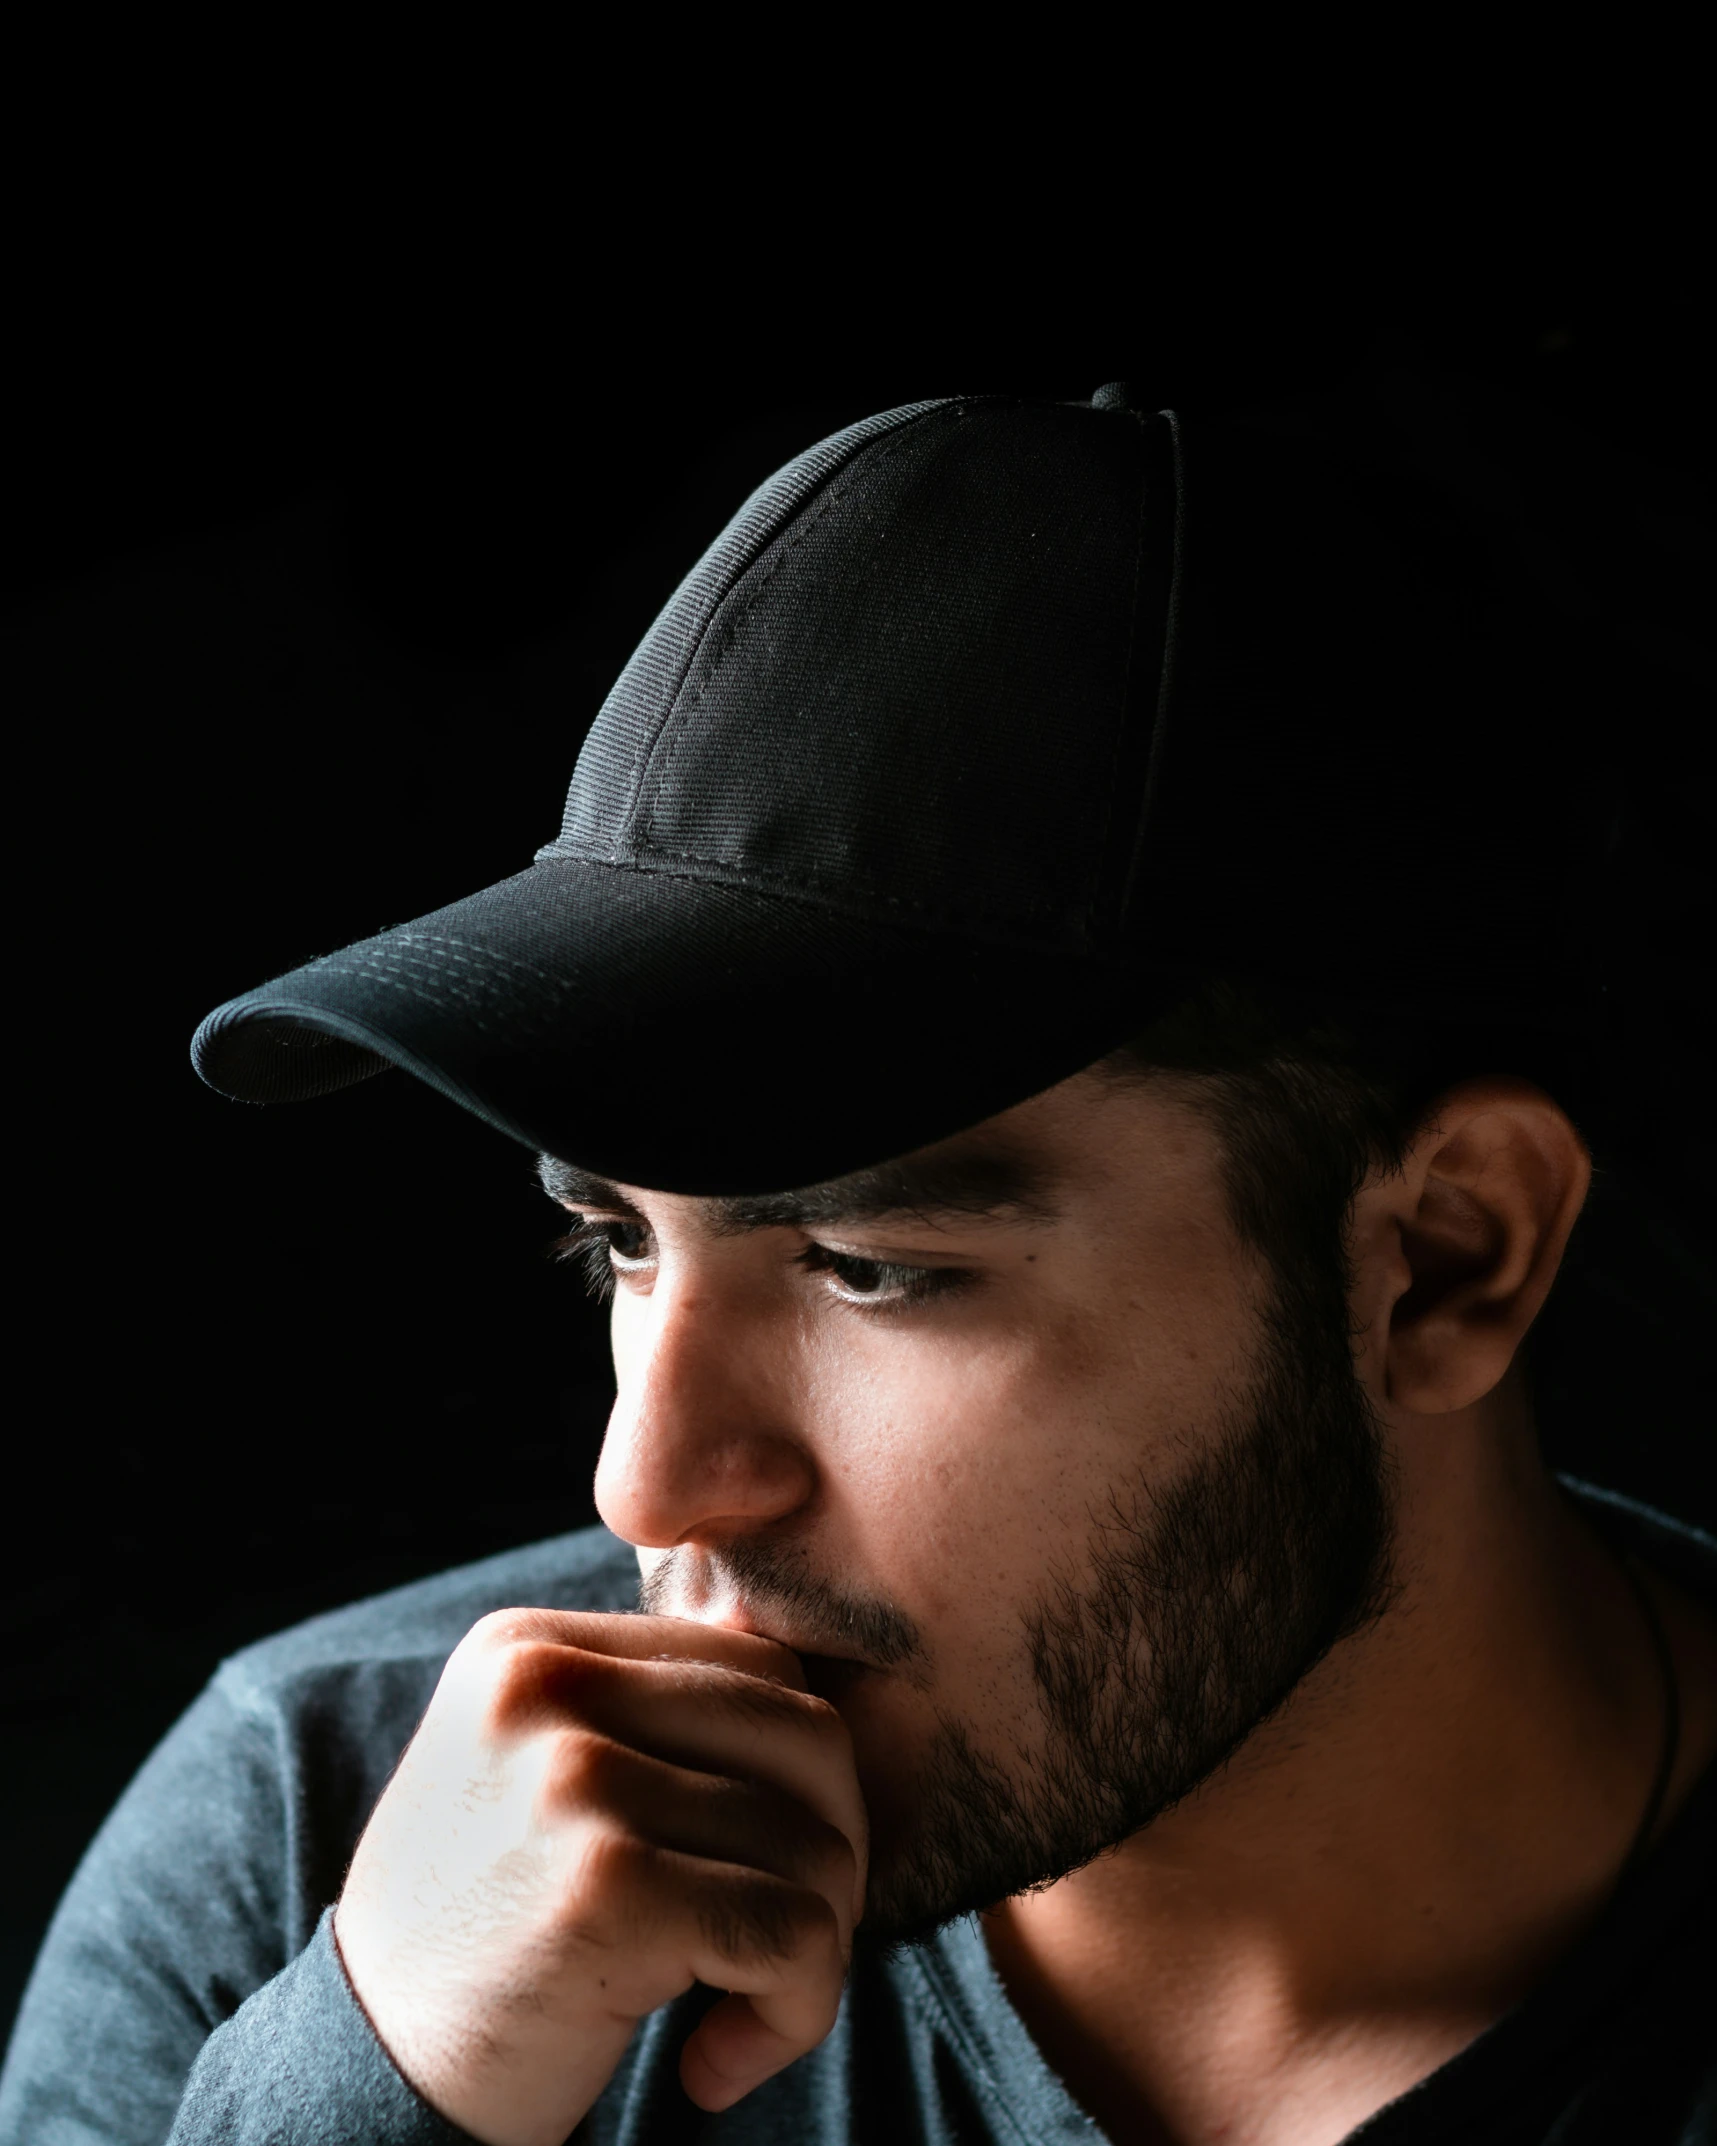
(573, 1187)
(978, 1184)
(972, 1184)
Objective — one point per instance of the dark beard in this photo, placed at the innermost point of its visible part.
(1203, 1602)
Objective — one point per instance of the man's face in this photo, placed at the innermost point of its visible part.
(1012, 1444)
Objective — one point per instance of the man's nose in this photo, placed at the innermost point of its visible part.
(700, 1445)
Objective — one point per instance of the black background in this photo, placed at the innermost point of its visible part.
(326, 529)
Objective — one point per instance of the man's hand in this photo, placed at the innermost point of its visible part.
(596, 1812)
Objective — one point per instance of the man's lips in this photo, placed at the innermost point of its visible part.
(829, 1676)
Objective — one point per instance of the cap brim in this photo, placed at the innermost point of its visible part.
(675, 1033)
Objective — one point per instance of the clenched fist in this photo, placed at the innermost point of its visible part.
(596, 1812)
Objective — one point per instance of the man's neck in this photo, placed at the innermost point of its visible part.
(1398, 1857)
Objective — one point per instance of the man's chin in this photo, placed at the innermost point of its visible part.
(954, 1834)
(906, 1904)
(951, 1833)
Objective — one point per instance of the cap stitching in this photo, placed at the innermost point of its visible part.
(410, 936)
(450, 1000)
(417, 978)
(404, 962)
(769, 877)
(812, 880)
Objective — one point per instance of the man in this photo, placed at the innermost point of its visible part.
(1053, 1015)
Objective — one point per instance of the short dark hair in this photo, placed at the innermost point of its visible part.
(1307, 1101)
(1310, 1098)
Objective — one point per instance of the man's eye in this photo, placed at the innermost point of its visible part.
(601, 1248)
(628, 1242)
(880, 1281)
(861, 1277)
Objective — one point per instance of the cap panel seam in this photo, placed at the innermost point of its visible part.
(420, 966)
(722, 871)
(679, 716)
(815, 882)
(870, 430)
(1160, 724)
(1100, 851)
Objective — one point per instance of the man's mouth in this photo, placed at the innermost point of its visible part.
(829, 1676)
(840, 1634)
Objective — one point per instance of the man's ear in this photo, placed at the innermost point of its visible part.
(1454, 1257)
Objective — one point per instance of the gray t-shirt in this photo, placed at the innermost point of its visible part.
(189, 1988)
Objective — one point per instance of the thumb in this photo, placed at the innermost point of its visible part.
(732, 2051)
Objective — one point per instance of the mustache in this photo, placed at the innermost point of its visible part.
(777, 1576)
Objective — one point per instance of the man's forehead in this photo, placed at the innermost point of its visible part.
(979, 1176)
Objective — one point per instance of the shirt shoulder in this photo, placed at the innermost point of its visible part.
(211, 1873)
(416, 1627)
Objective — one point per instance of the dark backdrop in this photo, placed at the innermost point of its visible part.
(319, 558)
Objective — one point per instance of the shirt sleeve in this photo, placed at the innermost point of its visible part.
(170, 2000)
(299, 2065)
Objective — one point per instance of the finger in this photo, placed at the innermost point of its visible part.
(635, 1638)
(776, 1943)
(710, 1816)
(661, 1920)
(732, 2051)
(706, 1718)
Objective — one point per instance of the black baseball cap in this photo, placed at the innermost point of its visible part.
(985, 730)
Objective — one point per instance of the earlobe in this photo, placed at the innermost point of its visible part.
(1492, 1187)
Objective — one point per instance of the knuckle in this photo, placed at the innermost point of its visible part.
(836, 1865)
(753, 1699)
(609, 1899)
(516, 1687)
(802, 1711)
(497, 1629)
(614, 1868)
(750, 1921)
(813, 1852)
(828, 1718)
(761, 1702)
(829, 1726)
(584, 1771)
(530, 1679)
